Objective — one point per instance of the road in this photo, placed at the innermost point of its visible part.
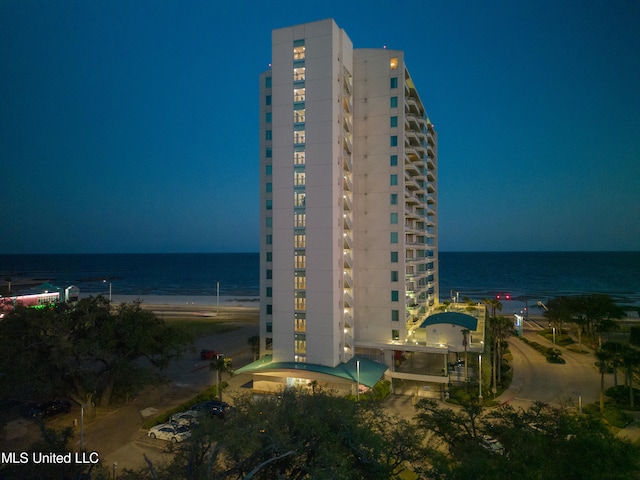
(536, 379)
(119, 436)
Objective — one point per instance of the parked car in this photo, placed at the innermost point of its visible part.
(188, 418)
(207, 354)
(168, 431)
(47, 409)
(213, 408)
(491, 444)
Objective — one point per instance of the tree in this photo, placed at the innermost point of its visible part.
(298, 435)
(604, 357)
(221, 365)
(77, 350)
(630, 357)
(615, 351)
(254, 343)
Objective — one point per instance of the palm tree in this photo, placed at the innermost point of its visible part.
(630, 359)
(494, 303)
(615, 350)
(603, 357)
(221, 365)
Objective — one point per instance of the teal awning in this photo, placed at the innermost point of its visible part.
(370, 370)
(452, 318)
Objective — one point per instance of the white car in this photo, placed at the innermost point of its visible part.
(188, 418)
(167, 431)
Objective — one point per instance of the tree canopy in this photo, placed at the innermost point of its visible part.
(74, 351)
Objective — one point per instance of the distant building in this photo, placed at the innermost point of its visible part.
(40, 296)
(348, 216)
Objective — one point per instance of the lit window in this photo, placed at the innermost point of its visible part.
(395, 334)
(298, 74)
(298, 158)
(299, 95)
(298, 52)
(298, 116)
(393, 63)
(299, 199)
(394, 82)
(298, 137)
(393, 102)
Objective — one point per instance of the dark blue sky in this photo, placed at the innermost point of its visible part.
(132, 126)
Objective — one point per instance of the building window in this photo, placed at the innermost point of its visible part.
(393, 218)
(393, 199)
(393, 160)
(269, 222)
(298, 74)
(394, 257)
(395, 334)
(298, 199)
(393, 63)
(393, 121)
(268, 135)
(268, 117)
(299, 42)
(269, 327)
(268, 170)
(298, 158)
(298, 116)
(269, 274)
(394, 237)
(269, 204)
(267, 82)
(269, 240)
(298, 52)
(269, 153)
(393, 141)
(269, 187)
(268, 344)
(268, 99)
(299, 240)
(393, 179)
(269, 309)
(395, 315)
(298, 137)
(269, 257)
(394, 82)
(269, 292)
(394, 275)
(299, 95)
(299, 220)
(393, 102)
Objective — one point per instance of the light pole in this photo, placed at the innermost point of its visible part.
(480, 377)
(358, 380)
(104, 281)
(82, 424)
(217, 297)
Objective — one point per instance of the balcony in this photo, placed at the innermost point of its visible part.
(347, 222)
(347, 184)
(347, 243)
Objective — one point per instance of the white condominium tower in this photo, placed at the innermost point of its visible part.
(348, 207)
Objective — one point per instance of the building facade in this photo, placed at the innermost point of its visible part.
(348, 202)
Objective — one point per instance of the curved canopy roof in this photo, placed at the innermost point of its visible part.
(452, 318)
(369, 372)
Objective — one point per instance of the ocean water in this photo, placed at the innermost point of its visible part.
(525, 276)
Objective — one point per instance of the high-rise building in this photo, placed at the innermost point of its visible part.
(348, 201)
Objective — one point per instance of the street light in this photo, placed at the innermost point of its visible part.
(480, 377)
(104, 281)
(358, 379)
(82, 424)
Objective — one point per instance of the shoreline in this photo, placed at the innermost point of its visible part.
(187, 301)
